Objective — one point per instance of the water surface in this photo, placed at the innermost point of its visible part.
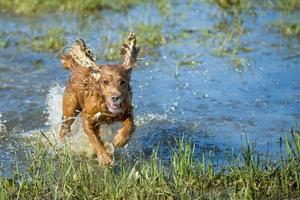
(209, 98)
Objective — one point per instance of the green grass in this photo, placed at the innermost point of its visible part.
(226, 41)
(226, 36)
(233, 7)
(52, 41)
(151, 35)
(3, 42)
(288, 29)
(149, 38)
(66, 176)
(34, 7)
(287, 5)
(41, 7)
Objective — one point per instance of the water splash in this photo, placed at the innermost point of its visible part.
(77, 140)
(141, 120)
(2, 125)
(54, 105)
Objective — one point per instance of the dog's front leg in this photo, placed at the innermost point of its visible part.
(103, 157)
(124, 133)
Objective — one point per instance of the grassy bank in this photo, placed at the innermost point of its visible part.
(149, 37)
(288, 29)
(33, 7)
(41, 7)
(287, 6)
(65, 176)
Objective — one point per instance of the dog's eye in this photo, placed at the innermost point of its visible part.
(105, 82)
(122, 82)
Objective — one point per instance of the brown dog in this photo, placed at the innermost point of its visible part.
(101, 93)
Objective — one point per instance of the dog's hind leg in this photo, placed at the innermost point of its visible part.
(70, 106)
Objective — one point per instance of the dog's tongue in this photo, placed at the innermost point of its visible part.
(115, 106)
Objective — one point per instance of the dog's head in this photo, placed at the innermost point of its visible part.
(113, 80)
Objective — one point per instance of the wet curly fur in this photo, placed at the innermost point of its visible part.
(101, 93)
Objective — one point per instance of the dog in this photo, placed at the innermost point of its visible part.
(101, 93)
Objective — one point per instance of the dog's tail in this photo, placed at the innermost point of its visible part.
(78, 55)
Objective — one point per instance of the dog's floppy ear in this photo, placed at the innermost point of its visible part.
(129, 51)
(79, 54)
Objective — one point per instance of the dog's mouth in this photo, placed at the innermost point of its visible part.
(115, 107)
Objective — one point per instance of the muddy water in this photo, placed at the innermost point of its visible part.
(211, 100)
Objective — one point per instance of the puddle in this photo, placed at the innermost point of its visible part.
(181, 89)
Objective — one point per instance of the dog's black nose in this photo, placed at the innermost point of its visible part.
(115, 98)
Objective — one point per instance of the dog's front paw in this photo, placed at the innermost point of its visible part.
(120, 140)
(109, 148)
(106, 161)
(62, 135)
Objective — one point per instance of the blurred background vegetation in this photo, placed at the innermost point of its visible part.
(226, 35)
